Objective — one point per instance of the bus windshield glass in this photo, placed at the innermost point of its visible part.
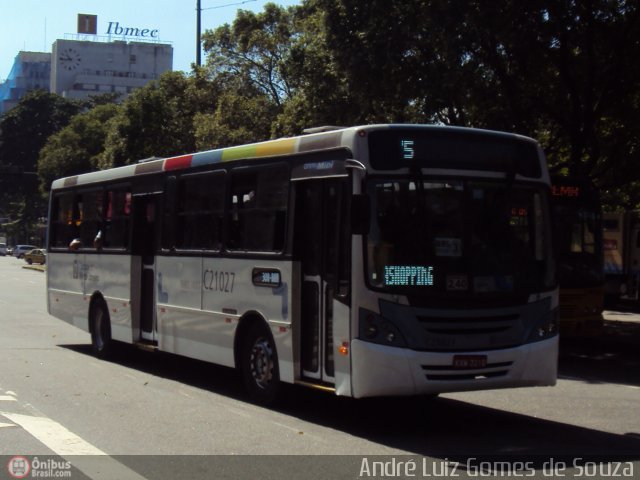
(458, 238)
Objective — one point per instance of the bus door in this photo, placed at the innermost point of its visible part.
(321, 246)
(144, 243)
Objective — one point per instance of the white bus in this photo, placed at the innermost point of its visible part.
(367, 261)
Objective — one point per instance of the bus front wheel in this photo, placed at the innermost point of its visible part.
(101, 330)
(259, 364)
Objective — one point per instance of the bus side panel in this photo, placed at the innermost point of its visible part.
(182, 325)
(74, 277)
(341, 337)
(65, 289)
(110, 275)
(230, 291)
(201, 300)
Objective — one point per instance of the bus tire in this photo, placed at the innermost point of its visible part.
(101, 341)
(259, 364)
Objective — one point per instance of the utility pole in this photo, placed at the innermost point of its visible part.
(198, 22)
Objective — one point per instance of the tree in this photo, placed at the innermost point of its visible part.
(254, 49)
(321, 93)
(237, 120)
(564, 72)
(23, 131)
(25, 128)
(157, 120)
(77, 147)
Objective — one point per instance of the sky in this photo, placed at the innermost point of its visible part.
(33, 25)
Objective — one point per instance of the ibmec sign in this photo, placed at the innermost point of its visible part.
(116, 29)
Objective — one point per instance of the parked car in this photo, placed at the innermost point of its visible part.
(37, 255)
(20, 250)
(3, 249)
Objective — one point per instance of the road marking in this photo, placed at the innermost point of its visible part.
(2, 425)
(53, 435)
(7, 398)
(87, 458)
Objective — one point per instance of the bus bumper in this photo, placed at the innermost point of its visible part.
(379, 370)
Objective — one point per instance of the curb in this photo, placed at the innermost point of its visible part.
(40, 268)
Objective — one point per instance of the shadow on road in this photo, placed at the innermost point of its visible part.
(613, 357)
(433, 427)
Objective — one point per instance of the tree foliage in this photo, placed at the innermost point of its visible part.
(237, 119)
(562, 71)
(77, 148)
(158, 119)
(25, 128)
(254, 49)
(23, 131)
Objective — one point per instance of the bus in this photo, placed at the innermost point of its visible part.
(365, 261)
(577, 213)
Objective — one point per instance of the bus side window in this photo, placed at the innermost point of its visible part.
(169, 232)
(259, 198)
(91, 215)
(117, 219)
(62, 227)
(200, 211)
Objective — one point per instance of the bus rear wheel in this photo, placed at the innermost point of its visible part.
(101, 330)
(259, 365)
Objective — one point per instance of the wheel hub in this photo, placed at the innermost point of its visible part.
(261, 362)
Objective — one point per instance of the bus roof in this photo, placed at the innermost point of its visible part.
(325, 140)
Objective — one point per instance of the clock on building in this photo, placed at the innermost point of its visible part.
(70, 58)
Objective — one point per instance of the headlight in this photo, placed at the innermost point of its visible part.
(377, 329)
(547, 327)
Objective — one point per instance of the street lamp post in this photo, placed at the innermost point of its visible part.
(198, 23)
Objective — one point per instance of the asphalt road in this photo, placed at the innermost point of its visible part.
(148, 415)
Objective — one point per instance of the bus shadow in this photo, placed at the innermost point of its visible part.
(206, 376)
(613, 357)
(435, 427)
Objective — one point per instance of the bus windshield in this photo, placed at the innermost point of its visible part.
(458, 238)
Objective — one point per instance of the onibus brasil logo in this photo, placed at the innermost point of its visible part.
(19, 467)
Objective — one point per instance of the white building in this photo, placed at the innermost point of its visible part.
(81, 68)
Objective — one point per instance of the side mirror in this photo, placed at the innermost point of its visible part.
(75, 245)
(360, 214)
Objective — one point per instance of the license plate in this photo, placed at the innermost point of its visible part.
(469, 361)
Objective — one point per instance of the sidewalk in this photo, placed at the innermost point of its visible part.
(40, 268)
(621, 316)
(622, 325)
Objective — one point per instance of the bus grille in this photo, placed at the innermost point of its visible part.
(451, 373)
(467, 325)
